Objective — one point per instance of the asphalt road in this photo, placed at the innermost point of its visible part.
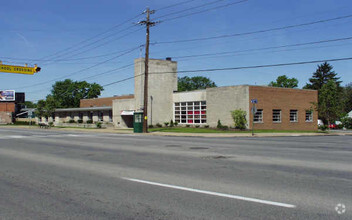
(48, 174)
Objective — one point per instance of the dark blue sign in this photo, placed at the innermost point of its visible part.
(254, 101)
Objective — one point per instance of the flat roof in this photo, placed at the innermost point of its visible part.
(83, 109)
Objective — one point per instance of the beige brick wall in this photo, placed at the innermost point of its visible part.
(222, 100)
(5, 117)
(270, 98)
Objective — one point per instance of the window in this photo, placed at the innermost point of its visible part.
(309, 116)
(276, 115)
(258, 116)
(100, 116)
(90, 115)
(190, 112)
(293, 116)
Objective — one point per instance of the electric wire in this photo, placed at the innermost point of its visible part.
(205, 10)
(265, 48)
(238, 68)
(79, 71)
(255, 32)
(95, 36)
(93, 43)
(234, 68)
(188, 9)
(174, 5)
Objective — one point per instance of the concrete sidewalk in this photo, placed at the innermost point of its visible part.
(177, 134)
(245, 134)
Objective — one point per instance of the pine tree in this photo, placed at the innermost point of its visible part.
(321, 77)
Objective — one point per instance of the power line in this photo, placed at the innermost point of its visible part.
(98, 45)
(174, 5)
(79, 71)
(205, 10)
(266, 48)
(274, 51)
(188, 9)
(73, 59)
(255, 32)
(234, 68)
(95, 36)
(238, 68)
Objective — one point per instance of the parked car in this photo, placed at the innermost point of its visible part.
(320, 122)
(336, 125)
(332, 126)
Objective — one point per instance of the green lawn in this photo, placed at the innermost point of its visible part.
(213, 130)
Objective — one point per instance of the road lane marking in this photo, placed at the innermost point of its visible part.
(213, 193)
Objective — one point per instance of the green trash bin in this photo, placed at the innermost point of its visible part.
(138, 122)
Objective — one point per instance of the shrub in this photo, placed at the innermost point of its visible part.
(166, 124)
(151, 126)
(98, 124)
(219, 124)
(51, 124)
(158, 125)
(80, 121)
(188, 126)
(89, 121)
(197, 126)
(24, 123)
(171, 123)
(225, 127)
(323, 127)
(206, 126)
(176, 123)
(71, 121)
(239, 117)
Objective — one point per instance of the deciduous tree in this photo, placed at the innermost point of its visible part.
(330, 106)
(284, 82)
(197, 82)
(68, 93)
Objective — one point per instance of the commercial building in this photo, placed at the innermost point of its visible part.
(276, 108)
(90, 110)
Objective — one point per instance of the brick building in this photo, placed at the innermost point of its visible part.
(9, 109)
(277, 108)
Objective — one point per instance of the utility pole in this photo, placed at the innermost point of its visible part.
(148, 24)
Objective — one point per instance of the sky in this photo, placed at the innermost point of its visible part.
(97, 41)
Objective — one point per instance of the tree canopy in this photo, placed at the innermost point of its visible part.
(67, 93)
(348, 98)
(193, 83)
(284, 82)
(330, 106)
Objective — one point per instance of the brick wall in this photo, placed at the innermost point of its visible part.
(270, 98)
(101, 102)
(7, 107)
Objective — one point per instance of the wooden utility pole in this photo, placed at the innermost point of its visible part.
(148, 24)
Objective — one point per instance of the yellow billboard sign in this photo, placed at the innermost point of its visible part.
(19, 69)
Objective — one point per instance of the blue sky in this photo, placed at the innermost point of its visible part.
(37, 29)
